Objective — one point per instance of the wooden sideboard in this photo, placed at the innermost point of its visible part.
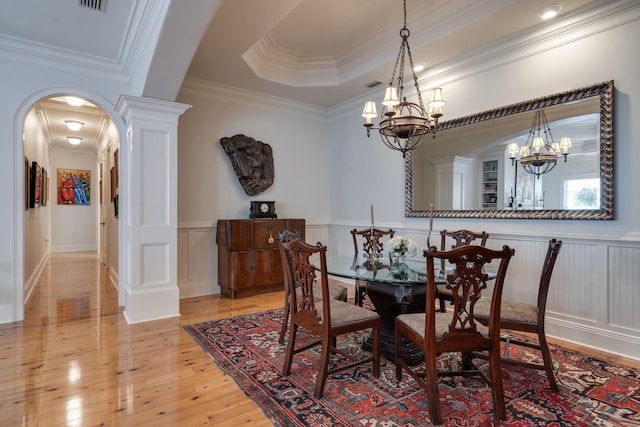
(248, 258)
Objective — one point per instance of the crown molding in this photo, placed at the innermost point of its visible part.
(201, 88)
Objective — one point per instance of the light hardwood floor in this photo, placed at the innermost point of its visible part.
(74, 360)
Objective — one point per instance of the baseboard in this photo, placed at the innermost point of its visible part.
(613, 342)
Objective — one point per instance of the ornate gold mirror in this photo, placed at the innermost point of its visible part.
(467, 171)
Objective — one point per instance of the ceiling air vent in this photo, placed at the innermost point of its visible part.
(373, 84)
(99, 5)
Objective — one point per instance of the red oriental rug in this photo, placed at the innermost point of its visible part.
(592, 392)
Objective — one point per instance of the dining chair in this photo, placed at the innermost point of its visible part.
(372, 243)
(452, 240)
(457, 330)
(523, 317)
(336, 291)
(327, 319)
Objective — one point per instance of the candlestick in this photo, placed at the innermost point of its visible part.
(430, 226)
(372, 216)
(431, 218)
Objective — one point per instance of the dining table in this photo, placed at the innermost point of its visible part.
(393, 289)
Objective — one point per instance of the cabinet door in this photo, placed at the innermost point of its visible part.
(265, 232)
(240, 235)
(242, 266)
(269, 269)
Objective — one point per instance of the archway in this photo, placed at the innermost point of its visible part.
(113, 136)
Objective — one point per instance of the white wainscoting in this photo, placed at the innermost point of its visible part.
(594, 297)
(197, 260)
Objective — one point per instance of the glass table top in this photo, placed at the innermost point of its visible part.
(412, 271)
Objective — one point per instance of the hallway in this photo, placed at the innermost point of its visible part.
(74, 360)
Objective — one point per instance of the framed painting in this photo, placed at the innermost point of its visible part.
(113, 181)
(525, 188)
(27, 180)
(34, 185)
(43, 187)
(74, 187)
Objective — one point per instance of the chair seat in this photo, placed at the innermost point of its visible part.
(416, 322)
(509, 311)
(336, 291)
(344, 313)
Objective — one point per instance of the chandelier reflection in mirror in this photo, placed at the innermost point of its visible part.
(404, 126)
(539, 154)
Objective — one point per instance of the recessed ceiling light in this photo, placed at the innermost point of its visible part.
(550, 11)
(74, 101)
(74, 125)
(74, 140)
(420, 66)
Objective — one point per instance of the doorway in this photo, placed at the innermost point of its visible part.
(61, 140)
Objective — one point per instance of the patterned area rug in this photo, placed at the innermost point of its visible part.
(592, 392)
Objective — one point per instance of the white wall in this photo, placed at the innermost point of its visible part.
(73, 227)
(208, 189)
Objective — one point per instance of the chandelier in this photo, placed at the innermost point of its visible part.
(404, 125)
(539, 154)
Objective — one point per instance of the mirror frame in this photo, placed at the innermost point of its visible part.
(606, 211)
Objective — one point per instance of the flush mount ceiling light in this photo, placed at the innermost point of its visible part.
(539, 154)
(550, 11)
(74, 140)
(405, 125)
(420, 66)
(74, 125)
(74, 101)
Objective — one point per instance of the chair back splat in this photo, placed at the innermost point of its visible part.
(327, 318)
(452, 240)
(372, 243)
(457, 330)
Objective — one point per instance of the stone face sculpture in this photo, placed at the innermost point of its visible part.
(252, 162)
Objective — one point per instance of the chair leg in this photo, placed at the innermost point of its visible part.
(288, 358)
(497, 389)
(546, 357)
(360, 291)
(432, 390)
(323, 368)
(285, 322)
(443, 309)
(376, 351)
(398, 353)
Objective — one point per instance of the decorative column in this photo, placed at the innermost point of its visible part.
(148, 208)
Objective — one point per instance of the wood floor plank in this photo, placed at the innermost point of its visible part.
(74, 360)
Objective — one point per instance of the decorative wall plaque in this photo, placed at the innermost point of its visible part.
(252, 162)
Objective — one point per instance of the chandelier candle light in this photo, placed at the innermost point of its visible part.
(405, 125)
(539, 154)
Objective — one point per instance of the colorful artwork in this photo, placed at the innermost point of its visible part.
(74, 187)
